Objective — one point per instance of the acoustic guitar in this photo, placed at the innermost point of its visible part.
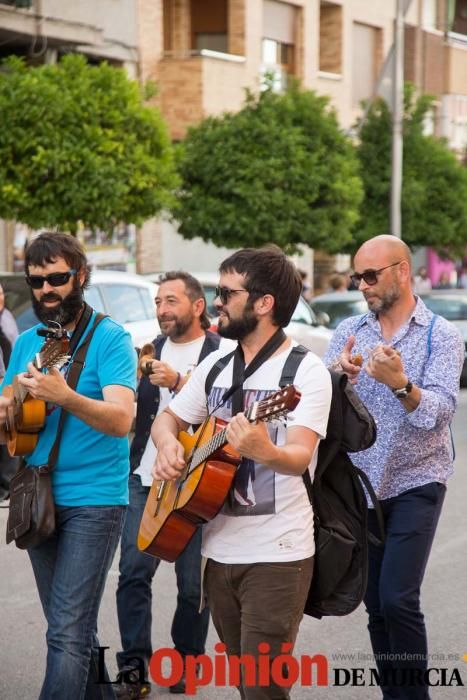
(26, 416)
(174, 509)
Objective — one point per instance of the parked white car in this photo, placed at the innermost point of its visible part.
(127, 298)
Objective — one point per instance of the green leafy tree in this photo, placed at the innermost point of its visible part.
(279, 170)
(77, 144)
(434, 187)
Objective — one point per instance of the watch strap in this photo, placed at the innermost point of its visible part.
(404, 391)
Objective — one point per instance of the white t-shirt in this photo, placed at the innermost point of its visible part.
(267, 516)
(183, 357)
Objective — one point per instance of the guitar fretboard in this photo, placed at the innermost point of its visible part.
(215, 443)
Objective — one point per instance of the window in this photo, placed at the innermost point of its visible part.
(303, 314)
(124, 302)
(459, 14)
(94, 298)
(278, 45)
(17, 3)
(429, 18)
(366, 50)
(330, 37)
(209, 25)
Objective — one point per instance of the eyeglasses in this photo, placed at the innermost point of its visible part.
(370, 276)
(224, 293)
(55, 279)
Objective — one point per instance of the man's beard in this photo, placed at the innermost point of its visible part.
(178, 326)
(239, 328)
(385, 301)
(66, 312)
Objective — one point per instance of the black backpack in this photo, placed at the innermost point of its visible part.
(337, 496)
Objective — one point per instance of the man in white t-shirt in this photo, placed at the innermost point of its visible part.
(259, 548)
(181, 312)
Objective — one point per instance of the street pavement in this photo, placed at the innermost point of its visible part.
(343, 641)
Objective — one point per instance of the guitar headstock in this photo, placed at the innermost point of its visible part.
(275, 405)
(54, 353)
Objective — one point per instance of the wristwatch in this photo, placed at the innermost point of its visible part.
(405, 391)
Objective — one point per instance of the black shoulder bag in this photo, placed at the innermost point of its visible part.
(31, 517)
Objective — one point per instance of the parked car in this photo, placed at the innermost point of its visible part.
(127, 298)
(304, 327)
(449, 303)
(339, 306)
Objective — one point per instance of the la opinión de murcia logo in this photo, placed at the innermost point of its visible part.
(167, 667)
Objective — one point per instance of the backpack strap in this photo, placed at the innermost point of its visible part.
(291, 365)
(377, 507)
(211, 343)
(428, 346)
(215, 370)
(430, 333)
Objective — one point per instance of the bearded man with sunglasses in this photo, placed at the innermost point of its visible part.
(90, 479)
(409, 381)
(259, 548)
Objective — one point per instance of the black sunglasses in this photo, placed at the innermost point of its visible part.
(224, 293)
(55, 279)
(370, 276)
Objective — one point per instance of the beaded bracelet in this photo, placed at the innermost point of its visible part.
(177, 382)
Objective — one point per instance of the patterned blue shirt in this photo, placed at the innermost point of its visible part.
(412, 448)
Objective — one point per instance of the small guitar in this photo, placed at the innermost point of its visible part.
(175, 508)
(26, 416)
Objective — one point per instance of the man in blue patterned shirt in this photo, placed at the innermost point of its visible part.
(409, 381)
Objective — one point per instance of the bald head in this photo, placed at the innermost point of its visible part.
(384, 250)
(388, 264)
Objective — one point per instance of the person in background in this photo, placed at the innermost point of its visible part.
(462, 277)
(422, 283)
(338, 283)
(307, 290)
(8, 329)
(444, 281)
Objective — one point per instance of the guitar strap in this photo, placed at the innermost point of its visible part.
(74, 372)
(80, 327)
(239, 373)
(239, 376)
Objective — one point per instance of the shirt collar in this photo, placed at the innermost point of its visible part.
(421, 315)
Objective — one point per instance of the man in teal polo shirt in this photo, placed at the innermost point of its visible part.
(90, 480)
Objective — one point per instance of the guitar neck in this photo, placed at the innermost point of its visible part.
(21, 391)
(203, 453)
(215, 443)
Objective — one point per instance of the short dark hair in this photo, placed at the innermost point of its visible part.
(49, 246)
(268, 270)
(194, 290)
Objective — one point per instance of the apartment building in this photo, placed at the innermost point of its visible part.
(204, 53)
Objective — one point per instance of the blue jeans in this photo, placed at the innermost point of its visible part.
(134, 592)
(71, 570)
(396, 570)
